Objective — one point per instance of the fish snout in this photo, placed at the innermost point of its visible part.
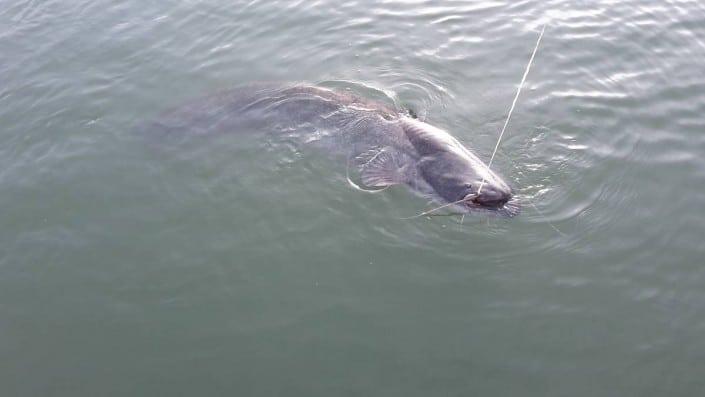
(492, 197)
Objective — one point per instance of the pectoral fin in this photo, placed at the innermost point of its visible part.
(383, 167)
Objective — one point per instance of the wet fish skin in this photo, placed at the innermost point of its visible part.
(384, 144)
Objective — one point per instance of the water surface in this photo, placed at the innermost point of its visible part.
(246, 266)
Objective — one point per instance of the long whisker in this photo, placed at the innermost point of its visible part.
(511, 109)
(438, 208)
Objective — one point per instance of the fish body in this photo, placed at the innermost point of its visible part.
(386, 146)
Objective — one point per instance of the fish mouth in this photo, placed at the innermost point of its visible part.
(499, 203)
(508, 208)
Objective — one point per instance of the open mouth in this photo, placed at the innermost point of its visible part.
(474, 201)
(495, 204)
(510, 207)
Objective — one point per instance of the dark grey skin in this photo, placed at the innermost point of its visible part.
(385, 146)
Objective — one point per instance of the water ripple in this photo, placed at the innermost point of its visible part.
(605, 149)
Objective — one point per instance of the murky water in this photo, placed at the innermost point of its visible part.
(243, 266)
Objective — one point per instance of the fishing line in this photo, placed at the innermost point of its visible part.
(547, 221)
(511, 109)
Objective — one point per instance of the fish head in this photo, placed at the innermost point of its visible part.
(460, 177)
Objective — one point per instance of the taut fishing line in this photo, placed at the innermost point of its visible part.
(511, 109)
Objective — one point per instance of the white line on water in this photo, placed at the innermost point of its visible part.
(511, 109)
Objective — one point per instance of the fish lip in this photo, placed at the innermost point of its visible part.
(491, 204)
(510, 208)
(485, 204)
(496, 204)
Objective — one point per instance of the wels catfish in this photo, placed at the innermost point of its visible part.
(384, 145)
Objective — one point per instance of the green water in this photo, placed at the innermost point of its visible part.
(245, 267)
